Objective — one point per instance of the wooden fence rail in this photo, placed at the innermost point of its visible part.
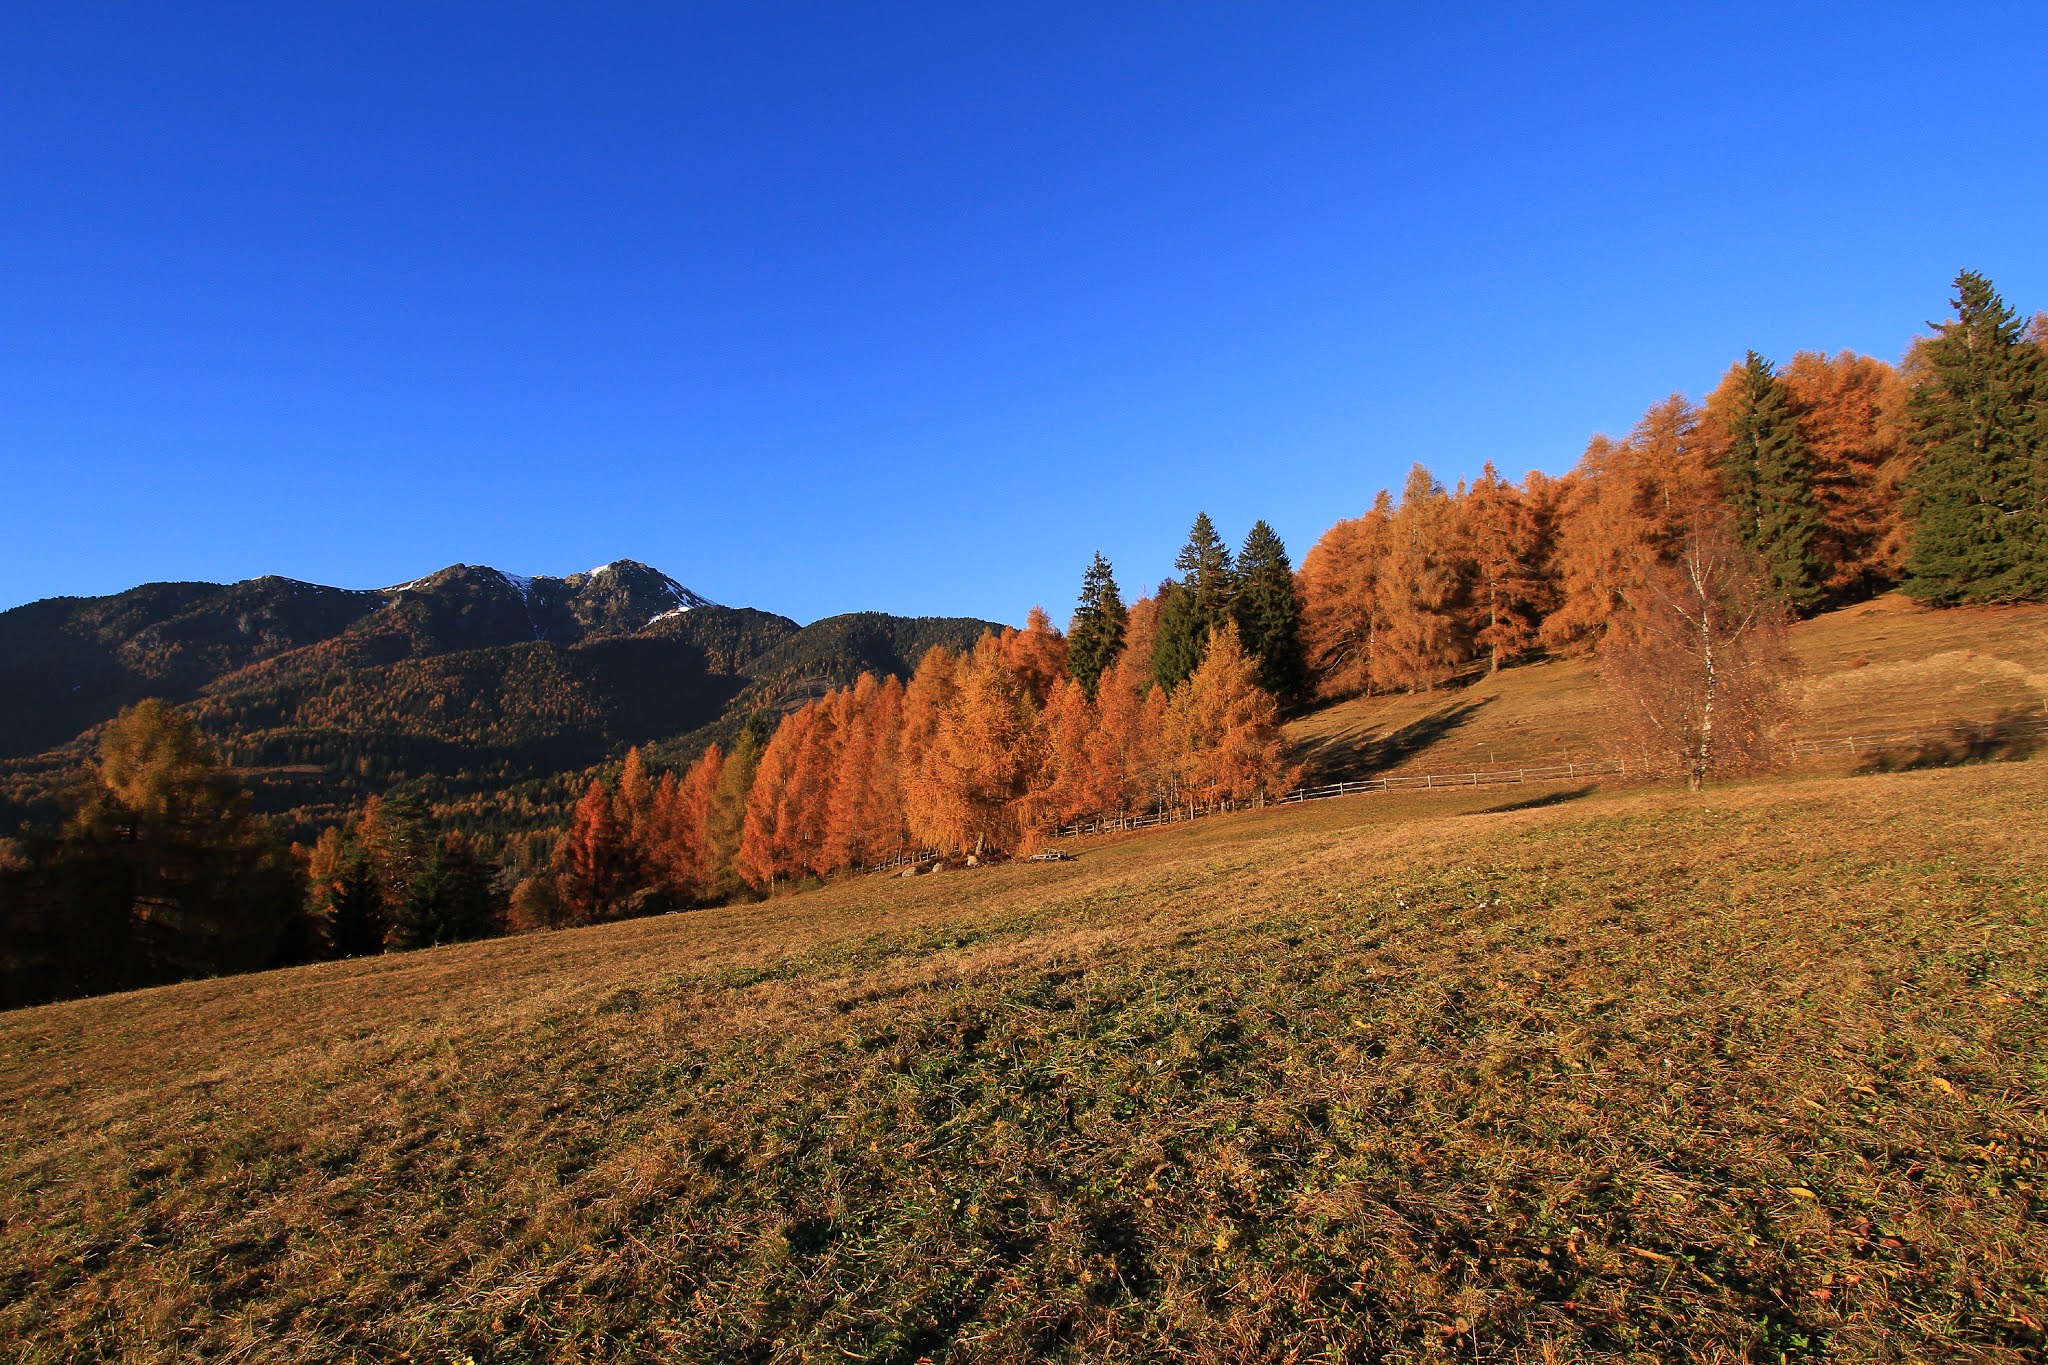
(1496, 777)
(1962, 731)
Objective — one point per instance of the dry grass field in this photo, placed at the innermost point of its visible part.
(1883, 667)
(1548, 1074)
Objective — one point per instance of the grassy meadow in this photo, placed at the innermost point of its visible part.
(1549, 1073)
(1887, 666)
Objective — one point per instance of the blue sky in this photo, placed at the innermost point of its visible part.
(823, 308)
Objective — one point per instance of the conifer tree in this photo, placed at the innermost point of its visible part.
(345, 899)
(1767, 479)
(725, 820)
(1037, 654)
(1095, 635)
(1851, 411)
(1505, 542)
(356, 926)
(448, 901)
(592, 857)
(1194, 606)
(1424, 636)
(1344, 590)
(1980, 491)
(1223, 728)
(1179, 636)
(1267, 612)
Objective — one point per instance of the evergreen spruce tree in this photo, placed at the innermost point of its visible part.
(1980, 533)
(449, 899)
(1180, 637)
(1767, 478)
(1195, 606)
(356, 925)
(1267, 609)
(1096, 634)
(1204, 565)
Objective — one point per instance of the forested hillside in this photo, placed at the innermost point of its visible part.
(473, 752)
(464, 682)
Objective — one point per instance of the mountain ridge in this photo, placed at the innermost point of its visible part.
(470, 678)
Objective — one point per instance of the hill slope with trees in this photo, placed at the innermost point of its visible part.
(1632, 1076)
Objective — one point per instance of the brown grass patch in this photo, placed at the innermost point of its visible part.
(1633, 1076)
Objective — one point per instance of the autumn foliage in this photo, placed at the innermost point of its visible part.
(1786, 490)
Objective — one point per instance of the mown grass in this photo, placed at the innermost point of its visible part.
(1633, 1075)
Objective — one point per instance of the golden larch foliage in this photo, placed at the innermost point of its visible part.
(1344, 584)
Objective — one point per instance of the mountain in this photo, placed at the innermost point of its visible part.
(465, 681)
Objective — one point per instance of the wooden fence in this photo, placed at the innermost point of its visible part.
(1962, 732)
(1494, 777)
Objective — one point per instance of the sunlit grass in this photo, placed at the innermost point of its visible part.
(1632, 1074)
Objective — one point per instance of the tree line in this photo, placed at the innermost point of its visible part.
(1838, 477)
(1676, 551)
(982, 753)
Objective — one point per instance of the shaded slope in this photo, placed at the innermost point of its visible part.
(68, 663)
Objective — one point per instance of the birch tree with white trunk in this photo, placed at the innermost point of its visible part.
(1696, 663)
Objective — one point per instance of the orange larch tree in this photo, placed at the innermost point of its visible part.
(1059, 791)
(1121, 751)
(1851, 412)
(864, 821)
(725, 821)
(1037, 654)
(1423, 636)
(809, 795)
(1343, 582)
(982, 759)
(1223, 729)
(926, 698)
(1505, 545)
(633, 802)
(594, 873)
(767, 850)
(1631, 503)
(681, 848)
(1141, 632)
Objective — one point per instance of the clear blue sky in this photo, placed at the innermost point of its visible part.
(822, 308)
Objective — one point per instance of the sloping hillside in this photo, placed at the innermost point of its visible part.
(1882, 667)
(1633, 1076)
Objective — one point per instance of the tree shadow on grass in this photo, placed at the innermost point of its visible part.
(1347, 757)
(1539, 802)
(2005, 739)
